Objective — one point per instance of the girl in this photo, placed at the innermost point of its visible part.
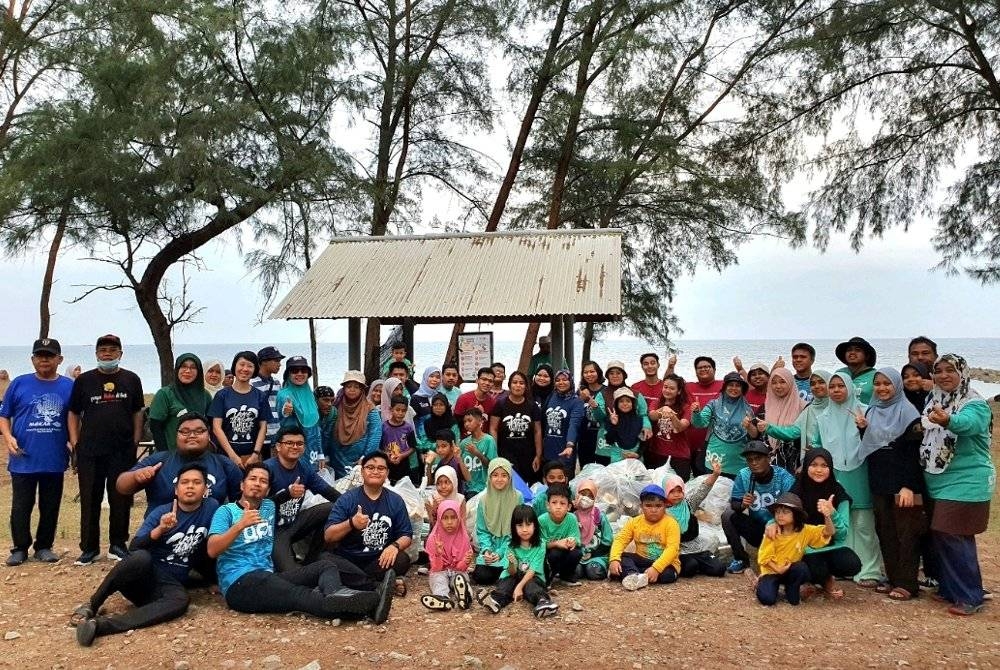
(296, 404)
(596, 534)
(672, 414)
(780, 557)
(450, 553)
(563, 418)
(914, 375)
(625, 427)
(399, 443)
(890, 444)
(393, 388)
(960, 477)
(375, 392)
(516, 426)
(357, 424)
(616, 375)
(590, 387)
(783, 407)
(214, 376)
(541, 385)
(186, 394)
(524, 570)
(445, 488)
(493, 523)
(697, 554)
(240, 414)
(440, 418)
(727, 435)
(817, 483)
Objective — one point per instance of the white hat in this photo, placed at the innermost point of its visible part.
(624, 392)
(616, 364)
(355, 376)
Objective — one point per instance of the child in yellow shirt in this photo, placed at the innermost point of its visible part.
(657, 540)
(780, 558)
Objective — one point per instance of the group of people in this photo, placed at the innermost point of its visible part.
(861, 473)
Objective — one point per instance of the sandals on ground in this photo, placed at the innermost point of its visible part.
(869, 583)
(901, 594)
(883, 587)
(400, 587)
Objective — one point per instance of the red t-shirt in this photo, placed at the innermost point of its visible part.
(703, 394)
(467, 401)
(755, 400)
(665, 441)
(651, 392)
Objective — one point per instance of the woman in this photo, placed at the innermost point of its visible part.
(541, 385)
(960, 477)
(297, 405)
(672, 417)
(357, 427)
(393, 387)
(516, 426)
(375, 392)
(759, 379)
(914, 374)
(185, 394)
(616, 376)
(782, 407)
(727, 416)
(215, 373)
(591, 386)
(72, 370)
(240, 414)
(563, 418)
(420, 402)
(890, 445)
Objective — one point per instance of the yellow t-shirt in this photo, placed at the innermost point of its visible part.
(789, 548)
(659, 542)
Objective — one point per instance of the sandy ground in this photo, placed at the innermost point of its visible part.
(702, 622)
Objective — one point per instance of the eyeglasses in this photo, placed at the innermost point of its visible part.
(376, 468)
(292, 444)
(188, 432)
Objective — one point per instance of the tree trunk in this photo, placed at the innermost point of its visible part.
(44, 315)
(372, 343)
(451, 355)
(588, 340)
(159, 328)
(528, 347)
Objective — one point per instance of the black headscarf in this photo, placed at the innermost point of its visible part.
(917, 398)
(541, 393)
(434, 423)
(811, 492)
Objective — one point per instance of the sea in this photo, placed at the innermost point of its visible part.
(141, 359)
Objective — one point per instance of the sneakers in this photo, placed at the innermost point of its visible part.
(87, 557)
(86, 631)
(435, 603)
(736, 567)
(486, 599)
(46, 556)
(17, 557)
(117, 552)
(546, 608)
(463, 591)
(635, 581)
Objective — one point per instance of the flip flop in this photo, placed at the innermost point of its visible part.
(869, 583)
(437, 603)
(883, 587)
(81, 614)
(900, 594)
(400, 587)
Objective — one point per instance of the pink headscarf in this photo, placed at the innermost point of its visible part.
(590, 519)
(455, 546)
(782, 411)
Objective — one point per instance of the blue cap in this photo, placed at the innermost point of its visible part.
(653, 490)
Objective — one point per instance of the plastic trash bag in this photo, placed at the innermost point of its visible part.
(471, 505)
(717, 500)
(414, 509)
(349, 481)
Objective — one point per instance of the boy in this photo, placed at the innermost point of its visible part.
(398, 441)
(325, 397)
(446, 452)
(657, 540)
(561, 535)
(553, 472)
(755, 488)
(478, 449)
(398, 356)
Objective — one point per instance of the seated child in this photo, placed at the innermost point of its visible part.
(553, 472)
(450, 552)
(561, 536)
(596, 534)
(398, 440)
(780, 558)
(657, 540)
(445, 488)
(477, 450)
(624, 426)
(522, 577)
(696, 555)
(493, 522)
(446, 452)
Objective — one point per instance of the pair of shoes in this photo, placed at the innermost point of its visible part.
(436, 603)
(546, 608)
(487, 600)
(87, 557)
(463, 592)
(86, 631)
(17, 557)
(117, 552)
(46, 556)
(960, 609)
(736, 567)
(635, 581)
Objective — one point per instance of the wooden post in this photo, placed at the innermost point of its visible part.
(568, 325)
(556, 333)
(408, 339)
(354, 344)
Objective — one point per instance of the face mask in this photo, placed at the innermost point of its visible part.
(109, 366)
(586, 502)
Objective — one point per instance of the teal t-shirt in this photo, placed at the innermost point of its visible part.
(251, 550)
(477, 471)
(970, 477)
(527, 558)
(568, 527)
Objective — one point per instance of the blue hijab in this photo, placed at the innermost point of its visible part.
(424, 389)
(887, 419)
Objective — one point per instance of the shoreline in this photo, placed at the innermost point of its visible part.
(986, 375)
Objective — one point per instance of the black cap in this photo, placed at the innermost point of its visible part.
(269, 354)
(735, 377)
(46, 345)
(109, 340)
(325, 392)
(297, 362)
(756, 447)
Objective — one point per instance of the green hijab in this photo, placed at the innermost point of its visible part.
(193, 396)
(498, 506)
(303, 400)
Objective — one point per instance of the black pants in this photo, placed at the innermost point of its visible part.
(375, 572)
(928, 550)
(308, 525)
(486, 574)
(157, 596)
(738, 527)
(701, 563)
(49, 486)
(840, 562)
(900, 530)
(98, 474)
(634, 564)
(586, 446)
(561, 563)
(305, 589)
(593, 571)
(534, 590)
(793, 579)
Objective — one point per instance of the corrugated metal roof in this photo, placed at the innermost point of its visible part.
(509, 276)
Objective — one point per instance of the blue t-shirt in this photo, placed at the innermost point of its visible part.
(251, 550)
(389, 522)
(223, 477)
(804, 387)
(173, 551)
(282, 478)
(241, 414)
(764, 495)
(37, 410)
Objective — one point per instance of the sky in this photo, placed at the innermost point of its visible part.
(775, 292)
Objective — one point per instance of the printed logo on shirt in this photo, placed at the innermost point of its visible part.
(376, 535)
(472, 463)
(257, 532)
(243, 421)
(652, 543)
(553, 418)
(289, 510)
(184, 543)
(761, 501)
(48, 408)
(108, 395)
(517, 424)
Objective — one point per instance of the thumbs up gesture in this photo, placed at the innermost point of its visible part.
(169, 520)
(360, 520)
(297, 489)
(287, 409)
(825, 506)
(146, 474)
(251, 515)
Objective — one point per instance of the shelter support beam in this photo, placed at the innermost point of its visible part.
(354, 344)
(556, 334)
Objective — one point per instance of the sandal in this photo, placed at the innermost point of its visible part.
(900, 594)
(869, 583)
(400, 587)
(81, 614)
(436, 603)
(806, 592)
(883, 587)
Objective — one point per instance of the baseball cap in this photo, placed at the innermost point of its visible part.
(109, 340)
(269, 354)
(46, 345)
(755, 447)
(653, 490)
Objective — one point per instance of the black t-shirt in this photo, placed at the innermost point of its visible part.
(516, 430)
(898, 464)
(106, 404)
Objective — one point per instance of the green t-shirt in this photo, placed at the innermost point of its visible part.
(527, 558)
(568, 527)
(167, 407)
(477, 471)
(970, 477)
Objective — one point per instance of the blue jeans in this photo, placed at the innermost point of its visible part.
(767, 585)
(959, 579)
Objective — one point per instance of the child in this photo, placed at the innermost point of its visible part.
(446, 452)
(398, 441)
(780, 558)
(561, 535)
(398, 356)
(596, 534)
(525, 565)
(440, 418)
(624, 426)
(657, 540)
(477, 450)
(696, 557)
(451, 554)
(446, 488)
(493, 522)
(553, 472)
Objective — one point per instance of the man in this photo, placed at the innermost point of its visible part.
(157, 473)
(450, 380)
(33, 425)
(268, 364)
(858, 357)
(481, 397)
(923, 350)
(290, 479)
(651, 386)
(241, 537)
(170, 541)
(325, 397)
(543, 357)
(803, 357)
(499, 374)
(704, 389)
(399, 370)
(105, 426)
(370, 525)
